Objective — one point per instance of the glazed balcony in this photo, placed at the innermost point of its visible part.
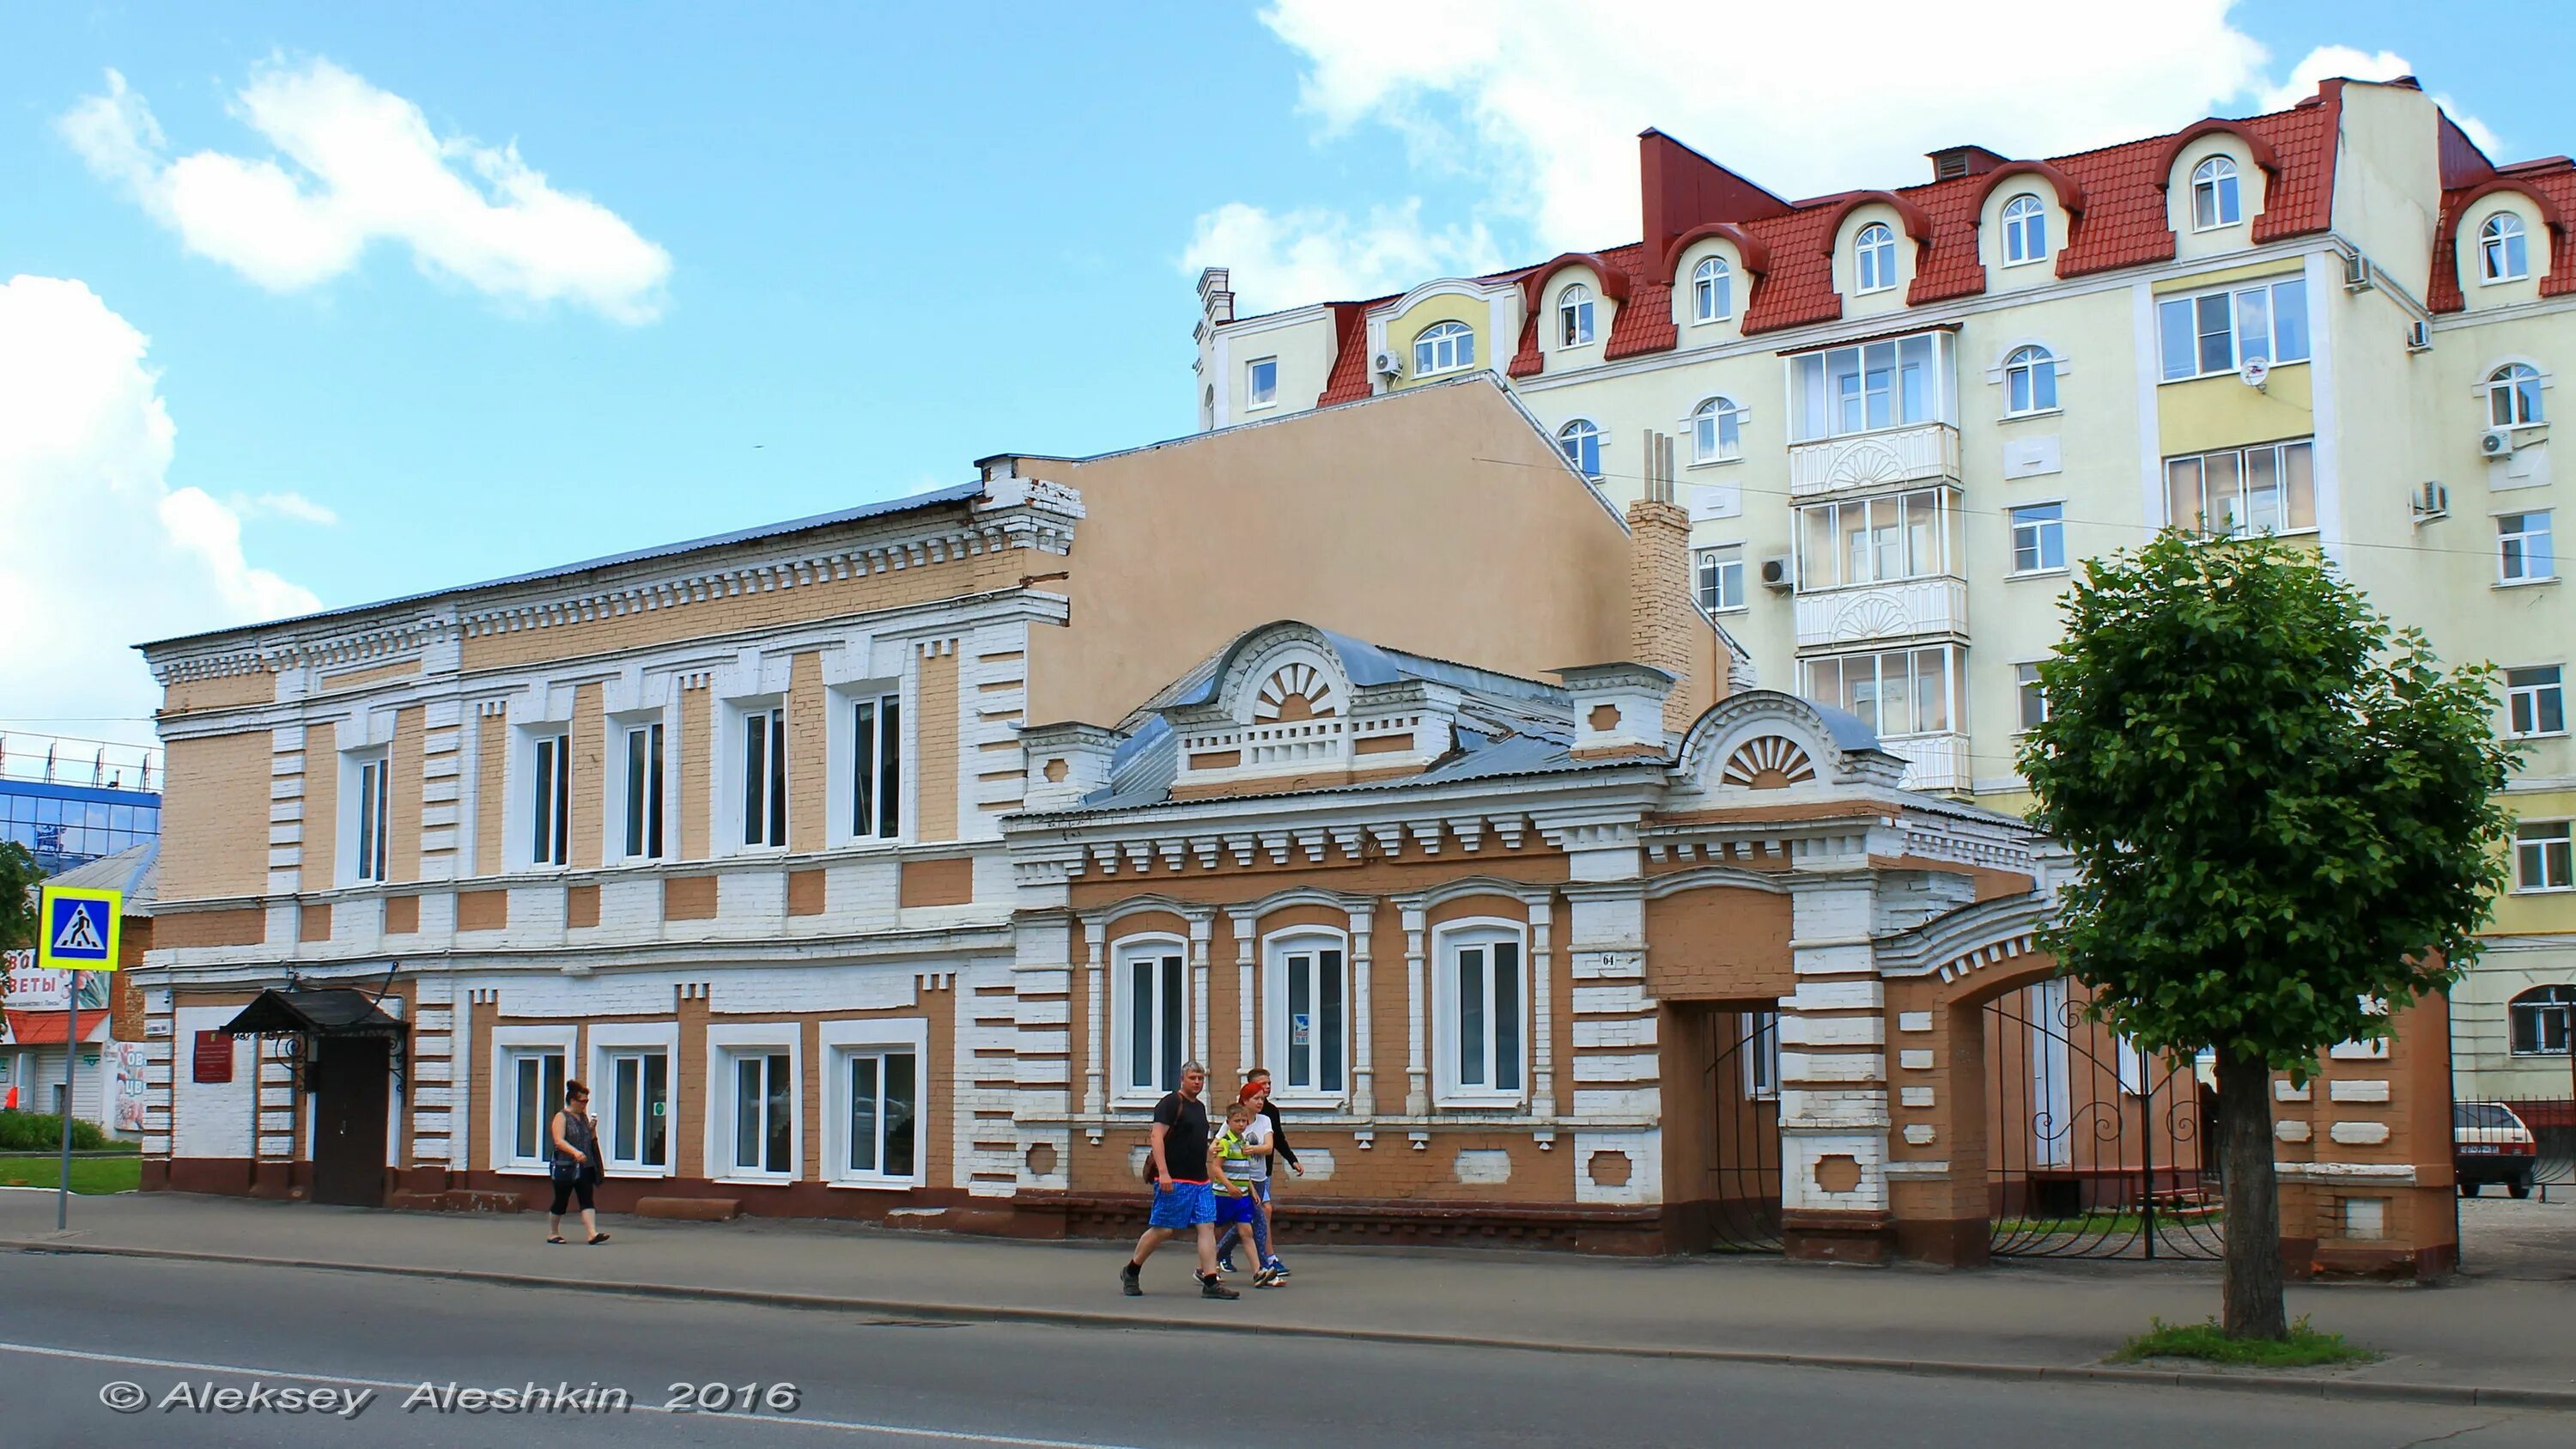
(1918, 452)
(1862, 613)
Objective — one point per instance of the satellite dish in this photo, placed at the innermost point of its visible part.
(2254, 370)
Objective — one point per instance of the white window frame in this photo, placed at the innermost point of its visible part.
(2534, 699)
(1123, 954)
(1712, 291)
(639, 819)
(871, 730)
(366, 783)
(841, 1042)
(1758, 1043)
(1830, 387)
(1260, 383)
(2514, 396)
(611, 1042)
(1442, 339)
(509, 1044)
(2514, 566)
(2557, 867)
(1835, 569)
(2039, 528)
(1952, 701)
(1448, 939)
(1719, 563)
(767, 714)
(2241, 344)
(2026, 689)
(549, 792)
(1874, 258)
(1574, 316)
(1716, 431)
(2026, 369)
(2503, 242)
(725, 1046)
(2025, 221)
(1573, 437)
(1278, 950)
(2217, 179)
(2561, 1012)
(2244, 492)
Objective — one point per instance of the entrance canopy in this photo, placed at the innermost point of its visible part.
(327, 1011)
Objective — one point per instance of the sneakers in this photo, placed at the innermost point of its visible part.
(1225, 1262)
(1213, 1286)
(1266, 1278)
(1127, 1283)
(1276, 1268)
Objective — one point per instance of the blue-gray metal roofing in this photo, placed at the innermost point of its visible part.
(134, 870)
(1849, 730)
(956, 493)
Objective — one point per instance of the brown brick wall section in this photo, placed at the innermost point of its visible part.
(697, 763)
(482, 910)
(321, 870)
(214, 820)
(402, 798)
(689, 898)
(1727, 943)
(807, 809)
(589, 775)
(934, 732)
(581, 906)
(805, 893)
(313, 922)
(1665, 627)
(247, 926)
(937, 882)
(491, 756)
(402, 915)
(232, 691)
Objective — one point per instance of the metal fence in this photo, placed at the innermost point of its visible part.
(2552, 1121)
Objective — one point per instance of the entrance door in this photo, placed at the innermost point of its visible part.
(353, 1077)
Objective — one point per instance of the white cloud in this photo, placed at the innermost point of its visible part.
(294, 507)
(102, 552)
(360, 165)
(2343, 60)
(1540, 101)
(1286, 259)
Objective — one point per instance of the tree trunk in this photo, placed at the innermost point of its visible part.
(2253, 1280)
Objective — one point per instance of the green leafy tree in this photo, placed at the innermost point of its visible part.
(2284, 815)
(19, 877)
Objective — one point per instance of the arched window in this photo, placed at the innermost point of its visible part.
(2030, 381)
(2541, 1017)
(1712, 291)
(1444, 347)
(1874, 252)
(2501, 256)
(1717, 431)
(2213, 194)
(1574, 316)
(2025, 230)
(1580, 441)
(2513, 396)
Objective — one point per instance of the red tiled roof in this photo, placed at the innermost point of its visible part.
(1349, 379)
(45, 1028)
(2552, 189)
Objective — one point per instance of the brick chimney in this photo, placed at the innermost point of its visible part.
(1665, 627)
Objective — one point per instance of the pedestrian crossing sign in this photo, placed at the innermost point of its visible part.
(78, 929)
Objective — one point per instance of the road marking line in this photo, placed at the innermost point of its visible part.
(950, 1436)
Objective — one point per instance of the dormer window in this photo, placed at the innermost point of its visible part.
(2214, 200)
(1574, 316)
(1712, 291)
(1580, 442)
(2513, 396)
(2502, 256)
(1874, 258)
(2025, 230)
(1444, 347)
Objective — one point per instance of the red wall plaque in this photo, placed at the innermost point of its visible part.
(213, 1061)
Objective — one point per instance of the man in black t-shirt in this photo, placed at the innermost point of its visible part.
(1177, 1163)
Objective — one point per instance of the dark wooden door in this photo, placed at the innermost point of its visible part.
(353, 1078)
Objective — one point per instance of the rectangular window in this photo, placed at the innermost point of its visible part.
(876, 768)
(883, 1090)
(536, 1081)
(1482, 1025)
(638, 1124)
(1721, 578)
(1874, 540)
(1896, 692)
(2031, 694)
(1309, 992)
(644, 792)
(2039, 537)
(1896, 383)
(1261, 386)
(2524, 553)
(2544, 855)
(2213, 332)
(2269, 488)
(551, 801)
(374, 789)
(1761, 1050)
(764, 777)
(2535, 701)
(764, 1113)
(1154, 1028)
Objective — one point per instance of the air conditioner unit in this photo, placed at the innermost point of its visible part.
(2496, 443)
(1388, 364)
(2356, 273)
(1776, 574)
(2419, 336)
(2430, 502)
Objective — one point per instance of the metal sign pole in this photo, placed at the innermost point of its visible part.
(71, 1059)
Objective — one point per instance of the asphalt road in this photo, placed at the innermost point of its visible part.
(179, 1334)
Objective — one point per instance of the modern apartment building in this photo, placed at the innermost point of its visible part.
(1904, 415)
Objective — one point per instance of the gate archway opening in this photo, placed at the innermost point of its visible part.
(1723, 1165)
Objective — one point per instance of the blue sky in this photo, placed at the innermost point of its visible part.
(748, 266)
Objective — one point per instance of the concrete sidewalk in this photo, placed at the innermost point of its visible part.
(2489, 1333)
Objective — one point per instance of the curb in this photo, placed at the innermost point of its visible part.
(2279, 1384)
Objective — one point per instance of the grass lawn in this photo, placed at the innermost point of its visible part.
(2304, 1348)
(89, 1174)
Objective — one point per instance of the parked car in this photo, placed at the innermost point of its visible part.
(2490, 1144)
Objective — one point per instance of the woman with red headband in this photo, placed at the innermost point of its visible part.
(1264, 1143)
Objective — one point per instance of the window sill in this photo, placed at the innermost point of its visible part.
(2230, 372)
(1260, 407)
(1470, 1103)
(638, 1174)
(2523, 583)
(875, 1184)
(2055, 573)
(2054, 412)
(2540, 735)
(2503, 281)
(1713, 462)
(2542, 891)
(777, 1179)
(522, 1169)
(2025, 262)
(1728, 609)
(2221, 226)
(1712, 321)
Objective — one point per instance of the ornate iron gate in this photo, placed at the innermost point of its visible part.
(1743, 1093)
(2095, 1148)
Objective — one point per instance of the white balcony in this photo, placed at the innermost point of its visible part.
(1835, 618)
(1919, 453)
(1932, 762)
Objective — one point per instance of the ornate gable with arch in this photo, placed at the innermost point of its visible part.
(1762, 740)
